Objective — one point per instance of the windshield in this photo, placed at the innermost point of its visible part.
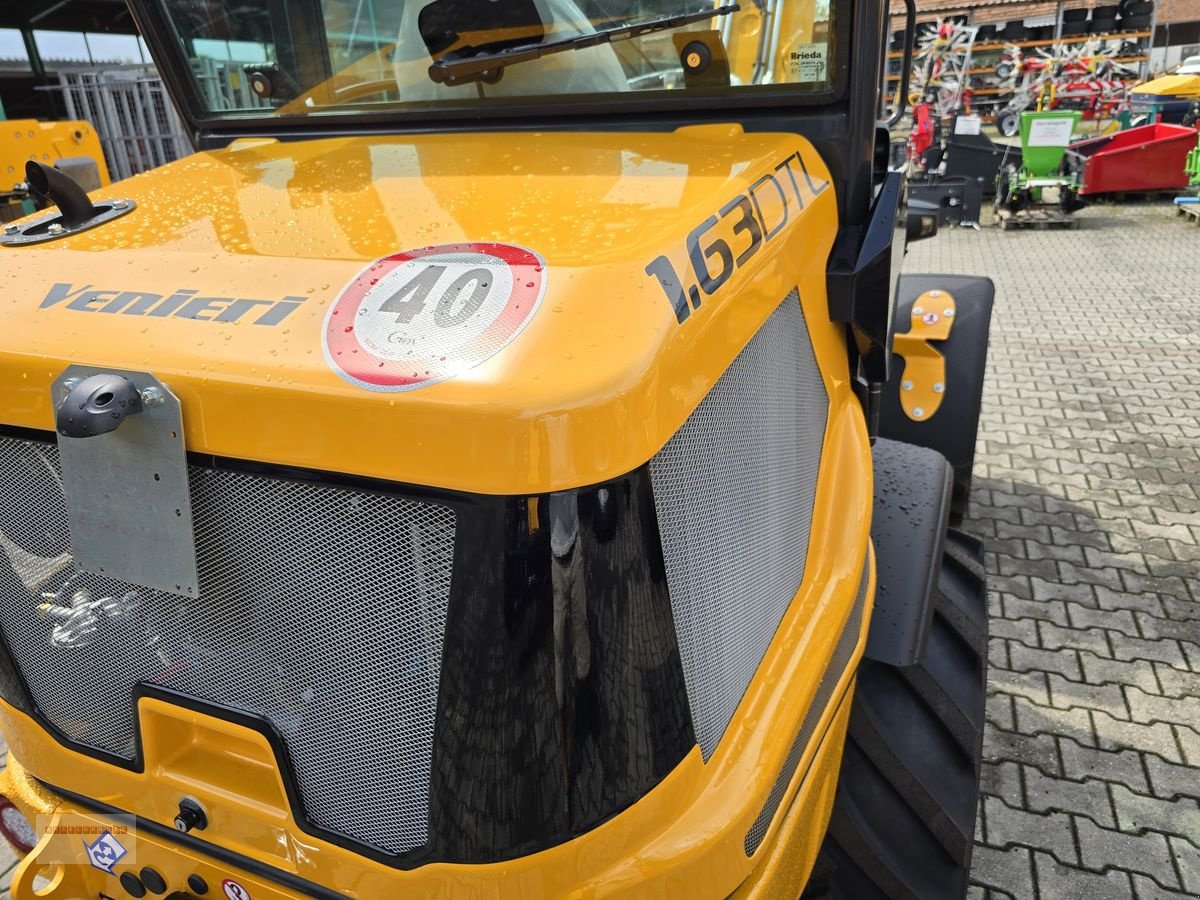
(307, 57)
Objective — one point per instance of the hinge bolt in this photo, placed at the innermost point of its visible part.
(152, 396)
(918, 413)
(935, 293)
(948, 312)
(938, 387)
(906, 385)
(120, 204)
(55, 228)
(11, 229)
(917, 310)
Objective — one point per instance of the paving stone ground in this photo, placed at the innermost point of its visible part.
(8, 859)
(1087, 490)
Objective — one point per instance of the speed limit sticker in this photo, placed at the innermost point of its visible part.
(422, 316)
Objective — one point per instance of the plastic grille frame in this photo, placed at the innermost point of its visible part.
(281, 562)
(734, 491)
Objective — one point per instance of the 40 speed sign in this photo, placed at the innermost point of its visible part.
(419, 317)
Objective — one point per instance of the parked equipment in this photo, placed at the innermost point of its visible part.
(1038, 192)
(1084, 76)
(1167, 99)
(502, 462)
(1190, 203)
(950, 180)
(924, 140)
(973, 155)
(1146, 158)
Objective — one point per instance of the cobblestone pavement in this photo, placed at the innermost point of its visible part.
(1087, 490)
(8, 859)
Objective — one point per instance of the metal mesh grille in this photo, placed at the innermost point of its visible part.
(321, 608)
(734, 491)
(804, 737)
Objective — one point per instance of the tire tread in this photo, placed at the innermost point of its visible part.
(903, 823)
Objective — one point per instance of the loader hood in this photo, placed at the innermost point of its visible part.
(500, 313)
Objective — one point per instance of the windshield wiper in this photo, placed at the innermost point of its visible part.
(470, 64)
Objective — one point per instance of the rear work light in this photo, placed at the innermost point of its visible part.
(17, 829)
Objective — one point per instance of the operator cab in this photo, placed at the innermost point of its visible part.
(405, 56)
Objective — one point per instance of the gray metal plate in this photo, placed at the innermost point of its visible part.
(127, 493)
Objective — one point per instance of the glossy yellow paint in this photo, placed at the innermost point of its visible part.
(769, 41)
(25, 139)
(746, 43)
(924, 385)
(60, 859)
(25, 791)
(787, 859)
(592, 388)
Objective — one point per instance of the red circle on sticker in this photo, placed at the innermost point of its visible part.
(233, 890)
(421, 316)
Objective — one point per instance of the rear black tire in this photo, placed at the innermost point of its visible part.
(903, 822)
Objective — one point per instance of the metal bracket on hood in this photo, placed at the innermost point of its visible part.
(127, 492)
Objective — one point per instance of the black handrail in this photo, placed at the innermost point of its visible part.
(910, 35)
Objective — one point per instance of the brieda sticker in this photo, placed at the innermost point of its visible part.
(806, 63)
(419, 317)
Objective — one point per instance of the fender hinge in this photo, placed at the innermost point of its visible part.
(923, 382)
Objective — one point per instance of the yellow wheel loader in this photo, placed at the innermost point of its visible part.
(503, 462)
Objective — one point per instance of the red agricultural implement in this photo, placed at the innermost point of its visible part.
(1144, 159)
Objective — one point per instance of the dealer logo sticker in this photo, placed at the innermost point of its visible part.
(419, 317)
(105, 852)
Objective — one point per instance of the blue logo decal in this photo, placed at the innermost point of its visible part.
(105, 852)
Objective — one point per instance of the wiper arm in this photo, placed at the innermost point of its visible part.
(470, 64)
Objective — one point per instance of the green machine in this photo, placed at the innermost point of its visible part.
(1193, 166)
(1190, 203)
(1039, 190)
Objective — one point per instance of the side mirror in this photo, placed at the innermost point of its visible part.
(919, 226)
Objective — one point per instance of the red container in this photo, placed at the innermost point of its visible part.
(1147, 158)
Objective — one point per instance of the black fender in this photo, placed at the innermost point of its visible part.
(952, 429)
(908, 528)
